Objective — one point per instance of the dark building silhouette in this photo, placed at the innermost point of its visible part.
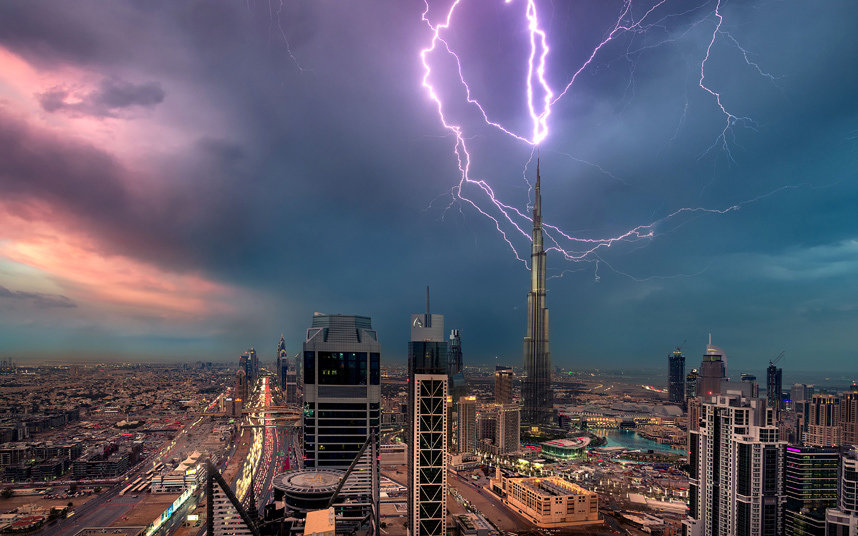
(676, 377)
(774, 386)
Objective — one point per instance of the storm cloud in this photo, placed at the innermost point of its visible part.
(293, 157)
(112, 96)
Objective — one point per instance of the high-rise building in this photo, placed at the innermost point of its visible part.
(843, 520)
(456, 384)
(509, 428)
(691, 384)
(676, 377)
(824, 426)
(282, 362)
(342, 404)
(455, 367)
(467, 429)
(810, 486)
(239, 398)
(712, 371)
(499, 428)
(244, 364)
(800, 397)
(287, 372)
(536, 386)
(751, 380)
(774, 386)
(801, 392)
(503, 384)
(342, 360)
(427, 420)
(849, 417)
(487, 428)
(736, 460)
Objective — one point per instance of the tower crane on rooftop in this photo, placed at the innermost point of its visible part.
(778, 358)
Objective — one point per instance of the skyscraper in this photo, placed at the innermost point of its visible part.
(536, 386)
(810, 486)
(712, 371)
(508, 437)
(676, 377)
(282, 362)
(455, 368)
(427, 422)
(824, 426)
(774, 386)
(849, 416)
(691, 384)
(239, 399)
(342, 360)
(843, 520)
(736, 460)
(751, 380)
(467, 429)
(456, 384)
(503, 384)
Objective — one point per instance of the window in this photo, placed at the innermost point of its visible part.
(374, 368)
(309, 367)
(342, 368)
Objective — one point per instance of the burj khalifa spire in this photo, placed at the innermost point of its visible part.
(536, 386)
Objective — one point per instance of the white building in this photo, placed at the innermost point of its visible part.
(736, 486)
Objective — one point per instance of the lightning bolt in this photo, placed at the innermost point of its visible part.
(509, 221)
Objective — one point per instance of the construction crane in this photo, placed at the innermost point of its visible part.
(679, 346)
(778, 358)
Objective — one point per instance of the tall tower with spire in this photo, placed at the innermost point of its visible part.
(536, 386)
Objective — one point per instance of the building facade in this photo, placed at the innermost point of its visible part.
(736, 460)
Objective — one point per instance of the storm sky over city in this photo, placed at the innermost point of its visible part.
(186, 179)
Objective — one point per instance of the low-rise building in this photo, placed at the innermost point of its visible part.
(186, 475)
(565, 449)
(471, 524)
(549, 502)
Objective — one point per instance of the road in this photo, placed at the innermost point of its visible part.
(488, 505)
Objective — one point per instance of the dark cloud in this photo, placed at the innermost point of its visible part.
(326, 189)
(112, 96)
(39, 300)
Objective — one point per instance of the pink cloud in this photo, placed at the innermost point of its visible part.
(33, 236)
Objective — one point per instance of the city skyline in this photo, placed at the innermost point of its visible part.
(191, 189)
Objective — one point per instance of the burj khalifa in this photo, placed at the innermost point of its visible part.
(536, 386)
